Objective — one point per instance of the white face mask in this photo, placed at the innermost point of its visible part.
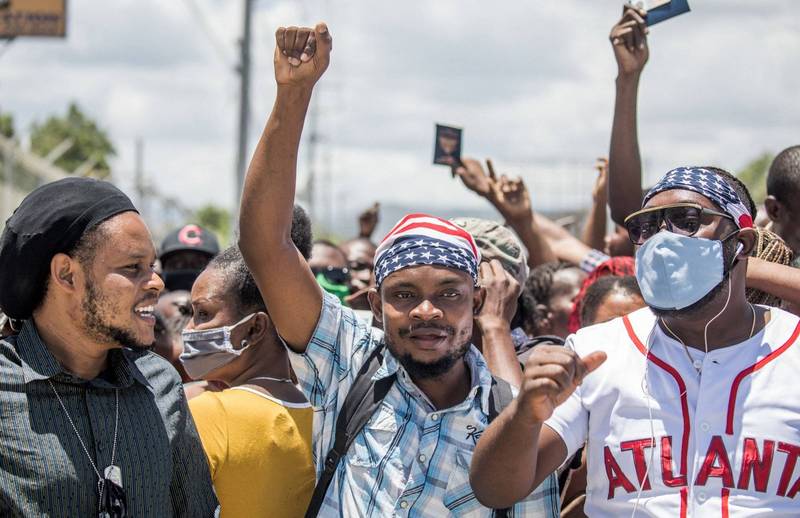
(208, 349)
(675, 271)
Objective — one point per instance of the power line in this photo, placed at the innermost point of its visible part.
(219, 46)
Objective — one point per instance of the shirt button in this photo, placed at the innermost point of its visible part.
(404, 504)
(435, 417)
(701, 496)
(422, 457)
(704, 426)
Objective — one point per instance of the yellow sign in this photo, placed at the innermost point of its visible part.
(33, 18)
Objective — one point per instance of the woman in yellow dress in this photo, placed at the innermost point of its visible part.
(257, 432)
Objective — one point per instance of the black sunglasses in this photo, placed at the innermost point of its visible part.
(333, 274)
(680, 218)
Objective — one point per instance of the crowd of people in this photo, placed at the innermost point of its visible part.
(464, 367)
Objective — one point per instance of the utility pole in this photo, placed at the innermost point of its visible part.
(139, 174)
(311, 159)
(244, 101)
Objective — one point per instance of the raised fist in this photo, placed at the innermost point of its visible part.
(302, 54)
(629, 39)
(552, 373)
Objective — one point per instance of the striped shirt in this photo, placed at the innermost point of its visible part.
(44, 471)
(410, 459)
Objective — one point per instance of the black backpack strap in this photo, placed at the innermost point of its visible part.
(362, 400)
(500, 396)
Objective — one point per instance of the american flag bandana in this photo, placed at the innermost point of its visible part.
(711, 185)
(420, 239)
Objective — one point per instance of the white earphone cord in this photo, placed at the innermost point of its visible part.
(646, 391)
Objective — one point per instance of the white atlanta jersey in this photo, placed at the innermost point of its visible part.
(724, 443)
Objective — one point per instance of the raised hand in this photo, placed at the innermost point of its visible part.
(509, 196)
(471, 173)
(502, 291)
(512, 200)
(368, 220)
(629, 39)
(600, 185)
(302, 54)
(551, 375)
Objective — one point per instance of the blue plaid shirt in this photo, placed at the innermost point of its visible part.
(410, 459)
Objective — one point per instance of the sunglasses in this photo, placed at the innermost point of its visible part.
(333, 274)
(680, 218)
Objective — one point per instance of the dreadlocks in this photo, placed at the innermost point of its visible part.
(769, 247)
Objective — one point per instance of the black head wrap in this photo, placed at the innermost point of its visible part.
(50, 220)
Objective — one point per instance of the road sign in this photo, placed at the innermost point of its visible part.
(33, 18)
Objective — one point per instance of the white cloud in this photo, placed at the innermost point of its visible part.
(532, 83)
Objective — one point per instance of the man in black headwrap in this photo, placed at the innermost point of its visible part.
(92, 421)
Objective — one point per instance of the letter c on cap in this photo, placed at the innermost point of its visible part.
(190, 235)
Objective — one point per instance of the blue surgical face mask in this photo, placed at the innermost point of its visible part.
(209, 349)
(676, 271)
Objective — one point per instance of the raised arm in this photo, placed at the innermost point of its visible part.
(775, 279)
(565, 246)
(265, 220)
(368, 220)
(629, 39)
(494, 321)
(516, 453)
(512, 201)
(594, 232)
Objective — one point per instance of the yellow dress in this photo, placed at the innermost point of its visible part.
(259, 452)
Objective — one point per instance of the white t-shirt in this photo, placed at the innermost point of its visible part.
(722, 443)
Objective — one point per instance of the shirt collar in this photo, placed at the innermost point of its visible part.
(38, 363)
(480, 376)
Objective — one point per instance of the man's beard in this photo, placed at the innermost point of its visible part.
(728, 249)
(426, 370)
(93, 305)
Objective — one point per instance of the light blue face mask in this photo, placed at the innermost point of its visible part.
(208, 349)
(675, 271)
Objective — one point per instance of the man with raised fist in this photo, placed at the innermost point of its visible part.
(428, 390)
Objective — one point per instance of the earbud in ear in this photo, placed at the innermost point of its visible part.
(739, 248)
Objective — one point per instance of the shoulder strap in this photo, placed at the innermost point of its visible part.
(500, 396)
(362, 400)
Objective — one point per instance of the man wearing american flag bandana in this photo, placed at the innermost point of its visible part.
(412, 457)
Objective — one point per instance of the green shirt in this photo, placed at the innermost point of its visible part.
(44, 471)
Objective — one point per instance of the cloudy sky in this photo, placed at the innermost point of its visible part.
(531, 83)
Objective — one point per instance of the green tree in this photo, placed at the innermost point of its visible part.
(217, 219)
(7, 125)
(754, 176)
(89, 142)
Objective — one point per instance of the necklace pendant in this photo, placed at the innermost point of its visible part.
(113, 474)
